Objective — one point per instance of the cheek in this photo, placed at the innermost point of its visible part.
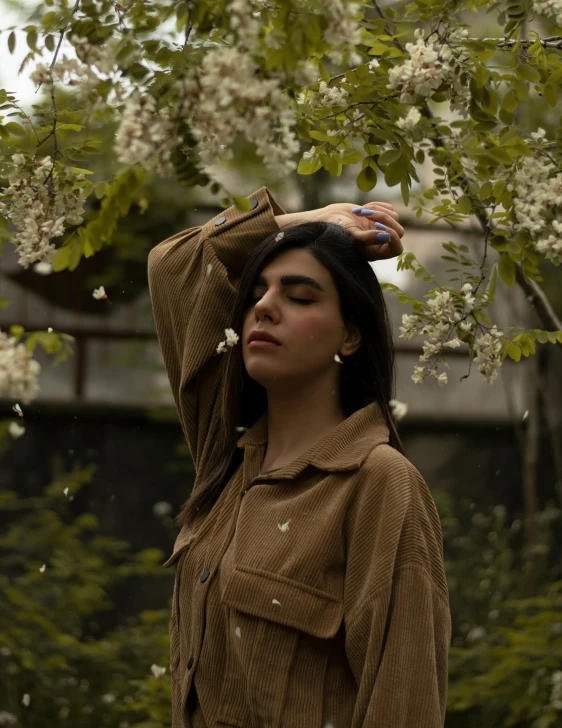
(319, 328)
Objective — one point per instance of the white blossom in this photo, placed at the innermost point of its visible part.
(7, 718)
(537, 203)
(488, 350)
(430, 66)
(41, 205)
(399, 409)
(552, 9)
(108, 698)
(43, 269)
(16, 430)
(157, 671)
(410, 121)
(146, 136)
(226, 97)
(18, 371)
(232, 337)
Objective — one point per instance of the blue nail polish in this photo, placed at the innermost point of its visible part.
(383, 237)
(380, 226)
(367, 212)
(357, 209)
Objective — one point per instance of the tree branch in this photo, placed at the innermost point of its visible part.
(533, 292)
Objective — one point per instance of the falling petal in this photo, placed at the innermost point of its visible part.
(279, 237)
(17, 409)
(158, 671)
(237, 632)
(399, 409)
(526, 414)
(209, 269)
(42, 569)
(43, 268)
(50, 330)
(16, 430)
(336, 358)
(99, 293)
(284, 526)
(274, 601)
(65, 491)
(26, 700)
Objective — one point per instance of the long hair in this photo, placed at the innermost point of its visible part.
(366, 376)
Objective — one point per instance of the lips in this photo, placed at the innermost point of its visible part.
(263, 336)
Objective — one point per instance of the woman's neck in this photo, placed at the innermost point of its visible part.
(299, 418)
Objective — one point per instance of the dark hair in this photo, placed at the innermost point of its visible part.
(366, 376)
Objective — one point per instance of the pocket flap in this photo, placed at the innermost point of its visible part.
(284, 601)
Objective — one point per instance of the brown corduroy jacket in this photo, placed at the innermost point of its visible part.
(311, 596)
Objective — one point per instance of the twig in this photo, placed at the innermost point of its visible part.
(534, 293)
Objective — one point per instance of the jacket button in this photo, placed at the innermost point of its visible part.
(204, 576)
(254, 203)
(220, 220)
(190, 663)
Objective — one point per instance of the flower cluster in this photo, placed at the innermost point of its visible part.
(551, 8)
(409, 122)
(342, 31)
(430, 66)
(18, 371)
(146, 136)
(445, 322)
(232, 339)
(43, 201)
(242, 21)
(537, 203)
(325, 97)
(226, 98)
(83, 73)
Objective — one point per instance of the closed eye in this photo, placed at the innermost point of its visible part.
(302, 301)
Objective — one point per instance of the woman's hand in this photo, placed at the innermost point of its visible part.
(362, 227)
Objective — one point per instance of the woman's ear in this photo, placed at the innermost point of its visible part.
(351, 339)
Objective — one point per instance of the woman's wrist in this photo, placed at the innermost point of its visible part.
(293, 218)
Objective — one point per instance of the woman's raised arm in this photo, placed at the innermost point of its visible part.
(193, 277)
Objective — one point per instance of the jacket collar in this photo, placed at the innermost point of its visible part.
(344, 448)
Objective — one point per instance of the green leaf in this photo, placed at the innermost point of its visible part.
(392, 155)
(12, 42)
(491, 287)
(32, 39)
(529, 73)
(506, 269)
(60, 259)
(395, 172)
(242, 203)
(464, 204)
(405, 190)
(366, 179)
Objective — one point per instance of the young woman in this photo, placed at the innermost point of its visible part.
(310, 587)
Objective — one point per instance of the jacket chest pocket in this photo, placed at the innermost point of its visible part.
(268, 617)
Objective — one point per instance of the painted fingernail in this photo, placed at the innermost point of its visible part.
(357, 209)
(367, 212)
(383, 237)
(380, 226)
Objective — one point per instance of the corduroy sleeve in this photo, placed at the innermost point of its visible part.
(193, 278)
(397, 616)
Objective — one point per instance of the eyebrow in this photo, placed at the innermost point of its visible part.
(291, 280)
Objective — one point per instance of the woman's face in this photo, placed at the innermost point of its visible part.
(303, 315)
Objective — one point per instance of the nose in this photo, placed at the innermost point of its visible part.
(265, 307)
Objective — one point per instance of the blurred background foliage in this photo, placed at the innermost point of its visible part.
(84, 663)
(84, 660)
